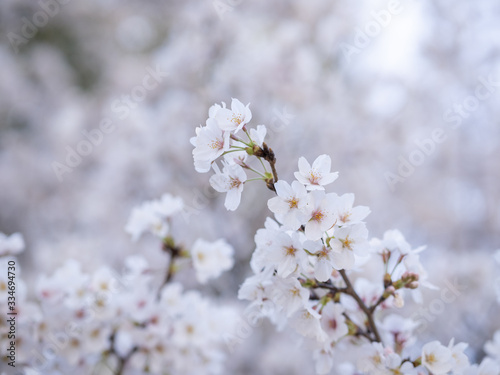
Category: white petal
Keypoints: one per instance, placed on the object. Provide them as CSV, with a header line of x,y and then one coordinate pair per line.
x,y
322,164
233,199
322,270
343,259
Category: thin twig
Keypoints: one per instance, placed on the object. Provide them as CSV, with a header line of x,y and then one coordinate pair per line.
x,y
173,251
359,331
369,314
122,361
376,304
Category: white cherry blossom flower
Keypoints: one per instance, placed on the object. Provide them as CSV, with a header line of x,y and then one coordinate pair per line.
x,y
265,239
318,175
290,295
307,322
323,266
437,358
210,143
348,242
398,330
213,110
256,287
234,119
152,216
145,218
347,214
290,203
459,358
394,240
333,321
321,212
236,157
287,254
324,360
230,181
373,359
168,205
257,135
210,259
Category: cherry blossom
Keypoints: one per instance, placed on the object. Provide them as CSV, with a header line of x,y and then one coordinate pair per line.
x,y
287,254
230,181
321,213
347,214
348,242
333,321
153,216
318,175
210,143
210,259
289,206
437,358
235,118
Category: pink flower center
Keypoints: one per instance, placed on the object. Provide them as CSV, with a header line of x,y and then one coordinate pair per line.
x,y
237,118
293,202
314,177
348,243
217,144
344,217
333,324
234,183
318,216
290,251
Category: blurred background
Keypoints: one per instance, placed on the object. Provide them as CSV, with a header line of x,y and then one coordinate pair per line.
x,y
403,95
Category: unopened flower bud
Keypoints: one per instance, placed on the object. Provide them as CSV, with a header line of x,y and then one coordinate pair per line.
x,y
412,285
389,291
409,277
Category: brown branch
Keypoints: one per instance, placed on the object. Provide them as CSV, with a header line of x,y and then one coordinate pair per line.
x,y
268,155
122,361
328,285
359,331
174,252
376,304
369,314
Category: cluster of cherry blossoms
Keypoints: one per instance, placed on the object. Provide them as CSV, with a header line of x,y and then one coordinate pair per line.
x,y
221,137
127,322
307,256
209,259
87,321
